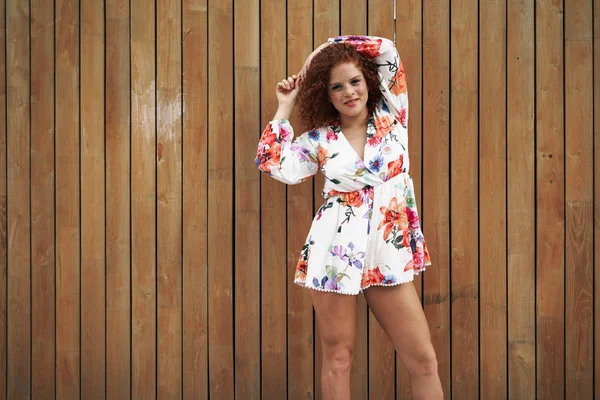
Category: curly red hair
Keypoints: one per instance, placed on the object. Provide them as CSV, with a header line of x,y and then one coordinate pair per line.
x,y
315,109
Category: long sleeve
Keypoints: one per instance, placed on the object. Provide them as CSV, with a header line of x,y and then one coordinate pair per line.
x,y
287,159
393,80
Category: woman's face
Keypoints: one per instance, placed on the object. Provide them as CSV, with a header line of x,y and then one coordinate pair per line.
x,y
348,91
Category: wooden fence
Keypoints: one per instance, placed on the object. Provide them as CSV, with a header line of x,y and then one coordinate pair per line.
x,y
142,255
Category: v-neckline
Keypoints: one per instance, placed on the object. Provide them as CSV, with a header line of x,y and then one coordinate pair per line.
x,y
366,146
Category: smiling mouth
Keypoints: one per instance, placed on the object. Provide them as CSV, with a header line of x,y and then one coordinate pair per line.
x,y
351,103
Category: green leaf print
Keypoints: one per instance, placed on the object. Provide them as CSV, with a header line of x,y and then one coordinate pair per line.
x,y
341,276
329,270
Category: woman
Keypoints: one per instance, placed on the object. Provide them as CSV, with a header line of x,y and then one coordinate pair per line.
x,y
366,237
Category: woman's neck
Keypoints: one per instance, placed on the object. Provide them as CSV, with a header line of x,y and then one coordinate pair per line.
x,y
352,123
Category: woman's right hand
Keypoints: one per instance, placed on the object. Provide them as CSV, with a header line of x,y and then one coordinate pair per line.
x,y
287,91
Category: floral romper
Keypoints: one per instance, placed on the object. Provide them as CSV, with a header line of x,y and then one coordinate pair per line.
x,y
367,231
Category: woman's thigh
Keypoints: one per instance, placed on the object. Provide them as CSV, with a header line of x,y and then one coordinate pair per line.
x,y
336,317
399,312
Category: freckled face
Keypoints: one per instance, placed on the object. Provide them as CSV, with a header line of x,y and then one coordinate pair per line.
x,y
348,91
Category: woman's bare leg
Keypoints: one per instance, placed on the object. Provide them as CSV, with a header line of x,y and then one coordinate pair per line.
x,y
399,312
336,316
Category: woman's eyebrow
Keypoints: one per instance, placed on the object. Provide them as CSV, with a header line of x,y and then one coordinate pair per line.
x,y
337,83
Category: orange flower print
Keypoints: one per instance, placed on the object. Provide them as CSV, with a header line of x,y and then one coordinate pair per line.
x,y
369,48
402,117
374,141
393,216
301,269
383,125
409,266
353,199
395,167
372,277
323,155
272,156
398,82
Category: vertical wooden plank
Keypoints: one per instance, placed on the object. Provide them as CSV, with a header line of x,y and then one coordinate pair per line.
x,y
579,196
382,372
195,197
3,210
492,196
354,22
436,191
93,262
143,200
326,24
596,66
274,274
67,200
18,206
42,200
169,198
521,199
464,204
300,319
409,43
247,199
353,15
118,201
220,202
550,199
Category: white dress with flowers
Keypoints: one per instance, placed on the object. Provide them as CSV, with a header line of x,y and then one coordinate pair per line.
x,y
367,231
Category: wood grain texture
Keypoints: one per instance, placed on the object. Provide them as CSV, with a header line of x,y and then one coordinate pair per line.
x,y
118,199
353,17
326,23
195,198
42,201
579,193
354,21
274,266
492,197
3,210
143,201
409,36
247,199
596,68
19,200
550,208
301,340
521,198
169,199
382,366
436,178
464,199
93,261
220,201
68,200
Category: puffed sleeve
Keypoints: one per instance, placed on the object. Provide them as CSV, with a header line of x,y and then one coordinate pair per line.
x,y
391,71
287,159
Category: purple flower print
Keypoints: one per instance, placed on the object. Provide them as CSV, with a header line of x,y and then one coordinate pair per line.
x,y
339,251
300,151
332,284
389,280
376,163
354,259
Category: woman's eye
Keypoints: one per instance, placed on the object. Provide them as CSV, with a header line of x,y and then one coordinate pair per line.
x,y
355,81
336,87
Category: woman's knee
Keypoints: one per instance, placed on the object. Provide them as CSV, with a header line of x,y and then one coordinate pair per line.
x,y
422,363
338,358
